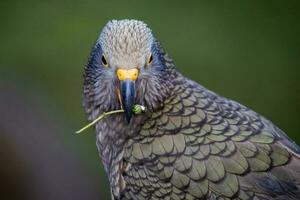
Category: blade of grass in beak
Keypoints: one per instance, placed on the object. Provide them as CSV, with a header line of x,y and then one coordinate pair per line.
x,y
98,119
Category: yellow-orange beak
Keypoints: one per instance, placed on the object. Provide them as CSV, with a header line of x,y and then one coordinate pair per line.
x,y
130,74
127,79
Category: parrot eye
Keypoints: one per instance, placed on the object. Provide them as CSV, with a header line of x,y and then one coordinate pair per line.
x,y
104,62
150,59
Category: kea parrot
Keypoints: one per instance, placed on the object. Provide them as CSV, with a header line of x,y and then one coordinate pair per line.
x,y
189,143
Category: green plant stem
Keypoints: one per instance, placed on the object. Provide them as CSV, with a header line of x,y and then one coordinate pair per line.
x,y
98,118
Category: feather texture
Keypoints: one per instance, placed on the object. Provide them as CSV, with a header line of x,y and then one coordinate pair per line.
x,y
191,143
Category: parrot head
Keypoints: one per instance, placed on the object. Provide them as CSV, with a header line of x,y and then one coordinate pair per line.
x,y
126,67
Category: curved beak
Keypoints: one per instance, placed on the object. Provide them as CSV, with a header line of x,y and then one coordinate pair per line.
x,y
127,79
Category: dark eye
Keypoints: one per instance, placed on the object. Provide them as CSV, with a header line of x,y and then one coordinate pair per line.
x,y
150,59
104,62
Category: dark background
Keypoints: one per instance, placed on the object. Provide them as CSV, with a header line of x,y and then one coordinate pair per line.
x,y
245,50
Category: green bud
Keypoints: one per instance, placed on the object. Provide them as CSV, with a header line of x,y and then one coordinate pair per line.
x,y
138,109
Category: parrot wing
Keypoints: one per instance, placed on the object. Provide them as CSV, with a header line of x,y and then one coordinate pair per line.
x,y
202,146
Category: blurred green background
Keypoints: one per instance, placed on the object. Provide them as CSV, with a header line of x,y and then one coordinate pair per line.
x,y
245,50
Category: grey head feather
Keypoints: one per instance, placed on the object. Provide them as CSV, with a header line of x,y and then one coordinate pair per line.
x,y
126,43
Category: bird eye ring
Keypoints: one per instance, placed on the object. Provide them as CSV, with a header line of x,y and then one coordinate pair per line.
x,y
104,62
150,59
